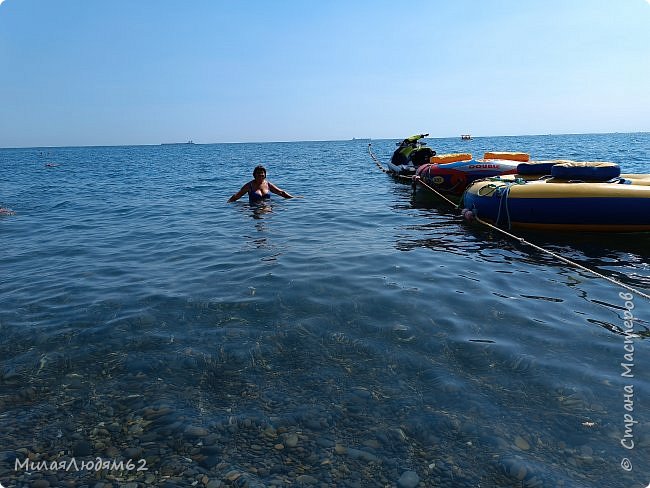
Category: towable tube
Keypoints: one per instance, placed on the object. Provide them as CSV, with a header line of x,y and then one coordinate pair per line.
x,y
450,158
453,178
588,171
554,204
510,156
538,167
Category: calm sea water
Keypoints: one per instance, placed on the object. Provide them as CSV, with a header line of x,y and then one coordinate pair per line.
x,y
349,338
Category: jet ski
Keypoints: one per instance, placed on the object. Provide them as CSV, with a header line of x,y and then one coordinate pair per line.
x,y
410,154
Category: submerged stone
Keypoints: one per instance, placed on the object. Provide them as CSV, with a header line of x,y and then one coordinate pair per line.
x,y
409,479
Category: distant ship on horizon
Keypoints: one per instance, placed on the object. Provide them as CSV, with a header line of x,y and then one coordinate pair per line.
x,y
177,143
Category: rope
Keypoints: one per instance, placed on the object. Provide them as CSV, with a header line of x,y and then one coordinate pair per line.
x,y
385,170
433,190
534,246
503,201
563,259
411,178
512,236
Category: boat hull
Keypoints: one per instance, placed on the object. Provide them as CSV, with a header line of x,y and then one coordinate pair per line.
x,y
402,169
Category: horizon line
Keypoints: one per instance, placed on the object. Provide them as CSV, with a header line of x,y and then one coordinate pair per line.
x,y
316,140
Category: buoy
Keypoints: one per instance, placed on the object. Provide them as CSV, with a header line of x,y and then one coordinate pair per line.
x,y
467,214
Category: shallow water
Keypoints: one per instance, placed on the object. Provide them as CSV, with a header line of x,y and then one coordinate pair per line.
x,y
346,338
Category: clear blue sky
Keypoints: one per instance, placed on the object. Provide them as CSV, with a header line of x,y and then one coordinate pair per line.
x,y
91,72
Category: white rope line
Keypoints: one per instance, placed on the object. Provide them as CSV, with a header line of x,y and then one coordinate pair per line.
x,y
512,236
563,259
434,191
385,170
411,178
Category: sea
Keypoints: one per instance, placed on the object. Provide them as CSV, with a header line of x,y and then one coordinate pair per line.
x,y
152,334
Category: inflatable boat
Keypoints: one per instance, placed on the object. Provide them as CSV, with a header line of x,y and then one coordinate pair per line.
x,y
576,196
450,174
409,155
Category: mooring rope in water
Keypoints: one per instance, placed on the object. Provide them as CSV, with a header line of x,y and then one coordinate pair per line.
x,y
410,178
551,253
434,191
512,236
385,170
563,259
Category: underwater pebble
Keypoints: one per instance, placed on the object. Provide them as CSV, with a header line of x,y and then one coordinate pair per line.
x,y
233,475
270,432
372,443
360,454
28,394
193,431
515,468
521,443
306,479
40,484
291,440
153,413
82,449
408,479
133,453
210,461
324,442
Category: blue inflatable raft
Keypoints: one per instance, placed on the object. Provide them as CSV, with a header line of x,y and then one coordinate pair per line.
x,y
592,197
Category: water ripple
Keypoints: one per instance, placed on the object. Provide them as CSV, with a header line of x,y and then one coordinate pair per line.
x,y
382,333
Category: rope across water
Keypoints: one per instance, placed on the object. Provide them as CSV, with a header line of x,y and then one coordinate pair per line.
x,y
563,259
512,236
409,178
385,170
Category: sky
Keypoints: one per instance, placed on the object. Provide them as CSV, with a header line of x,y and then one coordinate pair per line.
x,y
93,72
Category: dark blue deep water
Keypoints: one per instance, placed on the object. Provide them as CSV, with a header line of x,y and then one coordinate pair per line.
x,y
352,337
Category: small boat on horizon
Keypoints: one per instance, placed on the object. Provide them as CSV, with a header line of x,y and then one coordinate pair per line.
x,y
177,143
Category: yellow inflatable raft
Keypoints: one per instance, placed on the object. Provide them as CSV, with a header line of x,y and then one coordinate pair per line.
x,y
588,196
